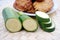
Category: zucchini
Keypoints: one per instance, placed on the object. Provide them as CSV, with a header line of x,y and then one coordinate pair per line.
x,y
42,17
29,24
47,24
12,22
49,29
52,26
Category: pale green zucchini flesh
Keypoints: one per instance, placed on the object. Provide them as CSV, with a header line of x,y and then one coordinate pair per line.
x,y
13,25
30,25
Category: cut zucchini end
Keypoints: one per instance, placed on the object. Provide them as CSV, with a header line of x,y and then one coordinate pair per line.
x,y
13,25
30,25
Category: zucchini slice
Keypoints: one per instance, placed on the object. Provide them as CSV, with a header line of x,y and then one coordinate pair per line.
x,y
12,22
52,26
29,24
47,24
42,17
49,29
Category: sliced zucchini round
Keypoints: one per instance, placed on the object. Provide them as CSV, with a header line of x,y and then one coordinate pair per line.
x,y
42,17
49,29
52,26
47,24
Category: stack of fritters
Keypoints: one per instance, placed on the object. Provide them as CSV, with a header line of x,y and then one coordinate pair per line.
x,y
33,5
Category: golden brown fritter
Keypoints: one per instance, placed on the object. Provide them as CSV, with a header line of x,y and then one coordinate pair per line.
x,y
24,5
43,6
39,0
33,5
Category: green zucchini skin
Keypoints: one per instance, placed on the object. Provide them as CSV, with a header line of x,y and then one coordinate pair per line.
x,y
46,25
9,13
24,17
49,30
42,19
43,24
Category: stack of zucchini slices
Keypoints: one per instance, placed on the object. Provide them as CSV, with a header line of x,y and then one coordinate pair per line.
x,y
45,21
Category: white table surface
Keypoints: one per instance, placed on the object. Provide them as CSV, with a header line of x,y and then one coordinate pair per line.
x,y
23,35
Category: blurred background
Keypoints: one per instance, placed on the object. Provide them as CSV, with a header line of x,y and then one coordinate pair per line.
x,y
39,35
